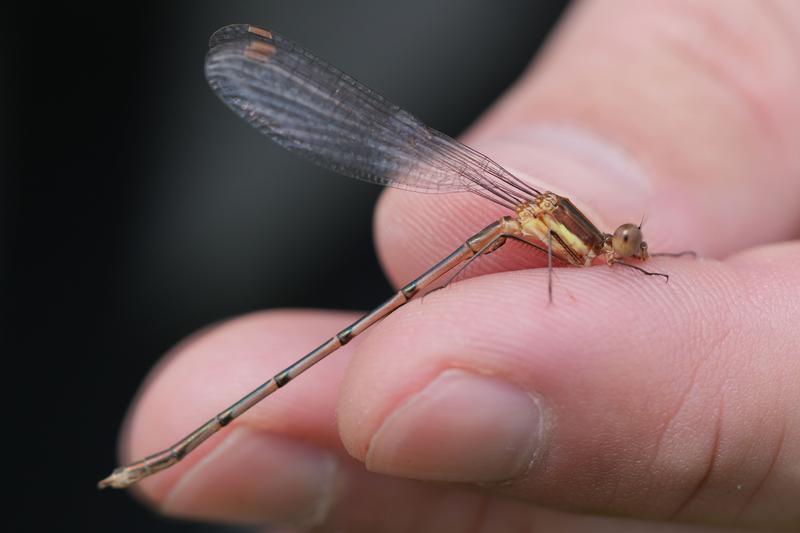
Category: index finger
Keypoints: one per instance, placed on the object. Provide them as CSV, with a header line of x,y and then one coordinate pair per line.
x,y
681,112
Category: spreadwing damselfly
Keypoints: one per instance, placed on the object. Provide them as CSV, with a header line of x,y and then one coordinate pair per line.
x,y
315,110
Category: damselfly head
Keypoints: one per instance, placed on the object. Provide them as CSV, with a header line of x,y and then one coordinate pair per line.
x,y
628,241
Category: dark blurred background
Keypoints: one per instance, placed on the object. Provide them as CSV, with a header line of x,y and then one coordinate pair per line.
x,y
135,208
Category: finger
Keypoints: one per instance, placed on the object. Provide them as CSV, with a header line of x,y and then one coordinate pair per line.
x,y
232,490
625,396
219,365
681,112
282,462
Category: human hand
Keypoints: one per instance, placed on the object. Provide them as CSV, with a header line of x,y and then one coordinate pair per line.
x,y
665,403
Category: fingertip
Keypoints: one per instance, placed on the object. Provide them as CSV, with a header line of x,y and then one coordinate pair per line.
x,y
219,365
254,477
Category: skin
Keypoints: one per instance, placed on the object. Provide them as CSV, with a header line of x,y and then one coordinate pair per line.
x,y
626,405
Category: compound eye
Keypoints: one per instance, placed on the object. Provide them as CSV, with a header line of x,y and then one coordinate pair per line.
x,y
628,241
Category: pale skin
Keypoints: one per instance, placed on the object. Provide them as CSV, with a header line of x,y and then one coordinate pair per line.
x,y
675,405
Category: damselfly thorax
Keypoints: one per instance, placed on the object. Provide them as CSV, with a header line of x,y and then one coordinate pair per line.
x,y
554,220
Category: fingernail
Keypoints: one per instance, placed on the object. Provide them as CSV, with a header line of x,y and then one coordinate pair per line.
x,y
254,477
461,427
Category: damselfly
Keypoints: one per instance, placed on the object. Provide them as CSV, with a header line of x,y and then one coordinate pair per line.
x,y
317,111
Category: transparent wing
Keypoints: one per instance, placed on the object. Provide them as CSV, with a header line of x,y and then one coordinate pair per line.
x,y
313,109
